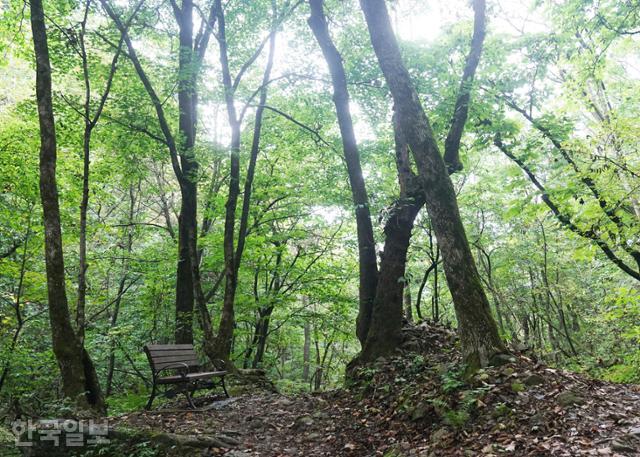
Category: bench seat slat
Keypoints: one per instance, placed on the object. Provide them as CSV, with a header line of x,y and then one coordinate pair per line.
x,y
190,377
174,356
177,364
171,353
168,347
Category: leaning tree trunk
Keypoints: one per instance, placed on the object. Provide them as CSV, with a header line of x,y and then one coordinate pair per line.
x,y
79,380
477,328
366,243
385,331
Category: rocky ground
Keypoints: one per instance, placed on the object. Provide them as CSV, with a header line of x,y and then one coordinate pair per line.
x,y
416,404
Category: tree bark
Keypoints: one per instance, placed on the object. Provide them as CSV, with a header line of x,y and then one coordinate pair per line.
x,y
121,288
262,331
20,321
90,122
233,253
187,220
408,305
366,244
386,322
461,110
477,328
227,318
79,381
306,352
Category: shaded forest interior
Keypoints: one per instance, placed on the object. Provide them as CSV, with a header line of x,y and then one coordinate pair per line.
x,y
318,195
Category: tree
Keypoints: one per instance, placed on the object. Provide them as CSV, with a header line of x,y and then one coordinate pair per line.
x,y
181,150
366,243
477,328
79,379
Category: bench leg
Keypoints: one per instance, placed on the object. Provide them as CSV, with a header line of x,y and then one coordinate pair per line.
x,y
188,395
151,397
223,386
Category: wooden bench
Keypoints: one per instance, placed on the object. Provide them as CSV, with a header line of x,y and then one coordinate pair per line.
x,y
184,370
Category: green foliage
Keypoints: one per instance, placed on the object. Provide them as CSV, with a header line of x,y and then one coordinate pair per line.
x,y
452,379
551,290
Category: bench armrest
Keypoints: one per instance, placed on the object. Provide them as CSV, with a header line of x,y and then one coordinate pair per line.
x,y
174,366
219,365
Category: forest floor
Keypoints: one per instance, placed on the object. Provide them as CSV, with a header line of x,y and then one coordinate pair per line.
x,y
418,404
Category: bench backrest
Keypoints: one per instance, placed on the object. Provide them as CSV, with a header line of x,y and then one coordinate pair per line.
x,y
164,355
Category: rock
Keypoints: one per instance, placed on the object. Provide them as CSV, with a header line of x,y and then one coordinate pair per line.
x,y
350,447
537,419
320,415
619,446
569,398
421,411
439,435
303,422
533,380
255,423
502,359
236,454
221,404
488,449
284,401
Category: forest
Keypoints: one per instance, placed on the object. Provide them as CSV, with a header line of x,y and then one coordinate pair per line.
x,y
394,227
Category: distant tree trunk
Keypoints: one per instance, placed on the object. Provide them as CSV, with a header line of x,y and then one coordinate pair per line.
x,y
408,305
366,244
262,331
477,328
435,297
79,380
121,288
306,352
181,152
20,321
485,261
434,262
526,330
90,121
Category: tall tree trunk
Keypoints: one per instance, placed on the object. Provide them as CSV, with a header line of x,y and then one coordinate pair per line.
x,y
90,122
385,331
227,317
187,220
366,243
79,381
306,352
477,328
232,253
